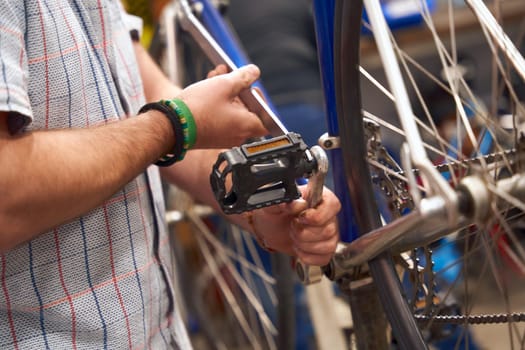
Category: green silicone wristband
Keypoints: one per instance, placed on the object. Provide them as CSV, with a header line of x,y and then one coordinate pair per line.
x,y
187,121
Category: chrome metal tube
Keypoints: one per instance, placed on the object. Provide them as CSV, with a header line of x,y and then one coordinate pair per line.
x,y
251,98
431,213
427,223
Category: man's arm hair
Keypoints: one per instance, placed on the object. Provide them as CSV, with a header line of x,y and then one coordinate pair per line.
x,y
50,177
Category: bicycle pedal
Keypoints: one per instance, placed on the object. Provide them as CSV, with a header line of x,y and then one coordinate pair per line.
x,y
261,173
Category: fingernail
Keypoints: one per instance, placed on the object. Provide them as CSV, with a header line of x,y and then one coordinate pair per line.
x,y
252,69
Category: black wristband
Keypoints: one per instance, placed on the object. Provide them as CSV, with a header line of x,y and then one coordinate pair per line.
x,y
135,36
171,158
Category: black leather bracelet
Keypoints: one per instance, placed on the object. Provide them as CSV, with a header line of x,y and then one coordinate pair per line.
x,y
174,119
134,34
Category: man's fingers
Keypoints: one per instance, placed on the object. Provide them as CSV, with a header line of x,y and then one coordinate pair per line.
x,y
243,78
319,258
218,70
316,252
300,234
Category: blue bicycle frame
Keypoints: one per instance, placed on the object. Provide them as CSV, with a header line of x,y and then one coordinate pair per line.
x,y
214,23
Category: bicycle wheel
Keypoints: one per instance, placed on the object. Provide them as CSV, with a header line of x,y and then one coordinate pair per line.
x,y
464,82
226,286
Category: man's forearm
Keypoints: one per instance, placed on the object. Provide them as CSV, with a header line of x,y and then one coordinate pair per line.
x,y
50,177
156,84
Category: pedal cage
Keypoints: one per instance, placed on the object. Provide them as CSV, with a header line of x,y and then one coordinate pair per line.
x,y
261,173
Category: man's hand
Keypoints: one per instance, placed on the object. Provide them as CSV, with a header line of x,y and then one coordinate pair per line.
x,y
310,234
222,120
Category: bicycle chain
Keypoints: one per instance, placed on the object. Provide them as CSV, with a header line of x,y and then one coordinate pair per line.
x,y
510,155
396,191
472,319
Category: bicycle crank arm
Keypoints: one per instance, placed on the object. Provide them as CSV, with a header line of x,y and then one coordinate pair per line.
x,y
427,223
310,274
261,173
250,97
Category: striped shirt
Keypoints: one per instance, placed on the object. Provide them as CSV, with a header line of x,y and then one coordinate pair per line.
x,y
104,280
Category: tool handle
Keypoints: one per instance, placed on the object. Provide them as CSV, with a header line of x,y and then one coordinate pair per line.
x,y
310,274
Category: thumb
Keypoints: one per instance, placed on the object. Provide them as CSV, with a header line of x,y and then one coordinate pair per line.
x,y
243,78
295,207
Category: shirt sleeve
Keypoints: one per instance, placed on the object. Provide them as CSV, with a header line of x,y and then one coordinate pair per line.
x,y
131,22
14,97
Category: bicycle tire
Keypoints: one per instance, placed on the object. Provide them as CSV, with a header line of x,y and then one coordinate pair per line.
x,y
350,120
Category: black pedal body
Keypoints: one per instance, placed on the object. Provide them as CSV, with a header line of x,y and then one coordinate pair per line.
x,y
261,173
